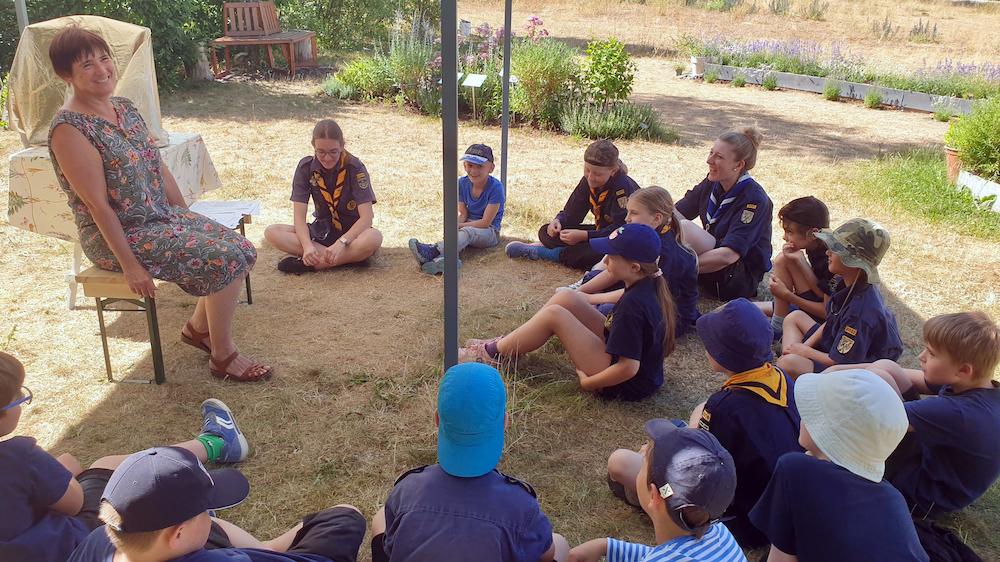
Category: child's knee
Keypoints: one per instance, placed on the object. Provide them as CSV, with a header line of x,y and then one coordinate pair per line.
x,y
619,464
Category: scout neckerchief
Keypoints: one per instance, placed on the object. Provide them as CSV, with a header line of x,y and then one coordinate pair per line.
x,y
715,208
332,199
596,201
768,382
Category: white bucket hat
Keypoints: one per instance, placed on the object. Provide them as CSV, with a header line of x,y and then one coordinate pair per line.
x,y
854,417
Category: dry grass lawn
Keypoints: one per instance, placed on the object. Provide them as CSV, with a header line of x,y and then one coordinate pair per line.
x,y
358,351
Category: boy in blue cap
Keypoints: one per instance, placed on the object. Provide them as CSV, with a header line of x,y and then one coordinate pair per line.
x,y
50,504
463,508
156,508
686,481
753,416
481,201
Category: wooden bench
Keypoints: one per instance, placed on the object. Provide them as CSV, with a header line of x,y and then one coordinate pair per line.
x,y
256,23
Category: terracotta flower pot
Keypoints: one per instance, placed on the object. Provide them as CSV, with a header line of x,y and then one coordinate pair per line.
x,y
954,164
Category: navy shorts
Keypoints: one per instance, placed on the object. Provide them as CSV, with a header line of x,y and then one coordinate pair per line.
x,y
93,481
731,282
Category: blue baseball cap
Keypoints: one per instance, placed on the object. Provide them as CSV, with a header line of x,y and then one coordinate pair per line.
x,y
737,335
166,486
477,154
632,241
472,406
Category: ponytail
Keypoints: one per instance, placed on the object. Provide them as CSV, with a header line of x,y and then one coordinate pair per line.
x,y
666,304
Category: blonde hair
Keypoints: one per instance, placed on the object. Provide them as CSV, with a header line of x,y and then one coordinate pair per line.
x,y
744,141
129,543
666,301
966,337
11,379
658,200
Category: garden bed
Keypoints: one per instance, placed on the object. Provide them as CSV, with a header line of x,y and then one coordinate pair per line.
x,y
890,96
981,188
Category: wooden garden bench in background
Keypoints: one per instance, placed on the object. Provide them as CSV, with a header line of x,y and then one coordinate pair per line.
x,y
256,23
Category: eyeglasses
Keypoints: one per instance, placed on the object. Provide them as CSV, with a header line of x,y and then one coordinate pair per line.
x,y
25,399
328,154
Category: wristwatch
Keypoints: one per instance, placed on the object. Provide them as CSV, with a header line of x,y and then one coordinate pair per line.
x,y
343,240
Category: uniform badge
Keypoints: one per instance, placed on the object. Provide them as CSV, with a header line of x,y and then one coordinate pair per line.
x,y
666,491
352,205
607,323
751,206
706,418
850,330
747,216
622,201
362,181
845,345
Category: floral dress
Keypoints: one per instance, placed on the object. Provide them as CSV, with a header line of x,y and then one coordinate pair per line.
x,y
171,243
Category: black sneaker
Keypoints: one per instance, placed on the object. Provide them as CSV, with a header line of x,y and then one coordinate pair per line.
x,y
294,264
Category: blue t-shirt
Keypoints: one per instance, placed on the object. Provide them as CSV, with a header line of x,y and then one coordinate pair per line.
x,y
98,548
432,515
861,330
952,456
680,269
743,226
819,511
716,545
31,480
491,195
756,433
635,329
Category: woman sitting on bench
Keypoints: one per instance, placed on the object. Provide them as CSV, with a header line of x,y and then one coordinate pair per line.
x,y
129,211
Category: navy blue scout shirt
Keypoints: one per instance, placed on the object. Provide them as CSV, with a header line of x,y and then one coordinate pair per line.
x,y
357,189
820,511
680,269
31,480
744,225
97,548
492,194
756,433
952,456
616,193
635,329
432,515
862,330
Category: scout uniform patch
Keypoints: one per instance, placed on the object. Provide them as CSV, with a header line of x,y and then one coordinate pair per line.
x,y
352,205
747,216
622,201
850,330
706,418
607,323
607,218
362,181
845,345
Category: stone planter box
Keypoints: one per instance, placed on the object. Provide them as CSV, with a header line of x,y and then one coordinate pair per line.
x,y
980,187
815,84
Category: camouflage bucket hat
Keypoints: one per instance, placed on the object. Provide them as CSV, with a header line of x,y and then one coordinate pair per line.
x,y
858,243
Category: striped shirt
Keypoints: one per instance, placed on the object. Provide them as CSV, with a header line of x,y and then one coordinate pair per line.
x,y
717,545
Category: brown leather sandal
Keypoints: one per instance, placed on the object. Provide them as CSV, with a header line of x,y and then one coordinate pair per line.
x,y
253,373
196,339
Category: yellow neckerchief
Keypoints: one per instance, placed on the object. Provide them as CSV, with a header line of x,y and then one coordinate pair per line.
x,y
768,382
665,228
596,201
333,199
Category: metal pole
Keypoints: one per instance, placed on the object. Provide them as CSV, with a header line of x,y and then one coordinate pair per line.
x,y
505,118
449,147
22,15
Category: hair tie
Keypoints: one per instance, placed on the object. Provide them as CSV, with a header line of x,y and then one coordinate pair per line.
x,y
657,273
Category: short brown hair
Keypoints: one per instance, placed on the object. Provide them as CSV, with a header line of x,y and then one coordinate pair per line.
x,y
129,543
966,337
72,44
744,141
328,129
11,379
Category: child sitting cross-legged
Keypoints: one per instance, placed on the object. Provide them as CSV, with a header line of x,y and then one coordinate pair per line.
x,y
50,504
620,356
951,454
684,484
859,327
480,211
831,503
156,508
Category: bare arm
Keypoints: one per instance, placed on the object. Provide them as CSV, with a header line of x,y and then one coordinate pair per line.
x,y
170,186
620,372
81,163
602,281
463,213
488,215
71,501
716,259
590,551
778,556
599,298
239,537
367,217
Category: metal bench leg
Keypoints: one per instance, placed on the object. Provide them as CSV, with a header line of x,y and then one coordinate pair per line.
x,y
154,340
104,337
243,233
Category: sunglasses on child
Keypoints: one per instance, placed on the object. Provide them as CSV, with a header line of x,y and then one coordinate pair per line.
x,y
25,399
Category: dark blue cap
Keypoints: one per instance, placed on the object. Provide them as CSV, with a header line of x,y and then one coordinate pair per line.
x,y
633,241
478,154
166,486
737,335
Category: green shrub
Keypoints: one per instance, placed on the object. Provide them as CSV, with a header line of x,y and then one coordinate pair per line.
x,y
370,77
813,10
977,136
770,81
739,80
832,90
944,110
409,55
916,182
922,32
351,24
545,70
873,98
621,121
779,7
335,88
3,101
884,31
608,71
711,75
